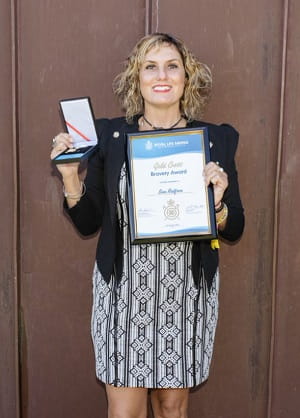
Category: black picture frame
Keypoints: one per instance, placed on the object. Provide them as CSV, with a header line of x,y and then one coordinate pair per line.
x,y
158,142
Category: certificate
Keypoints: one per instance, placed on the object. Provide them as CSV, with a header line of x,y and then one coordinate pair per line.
x,y
79,121
168,198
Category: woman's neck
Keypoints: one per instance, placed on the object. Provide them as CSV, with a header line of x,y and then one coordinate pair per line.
x,y
161,119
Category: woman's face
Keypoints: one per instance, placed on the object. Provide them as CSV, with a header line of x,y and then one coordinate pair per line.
x,y
162,78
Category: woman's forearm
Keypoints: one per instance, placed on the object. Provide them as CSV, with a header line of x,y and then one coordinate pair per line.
x,y
73,189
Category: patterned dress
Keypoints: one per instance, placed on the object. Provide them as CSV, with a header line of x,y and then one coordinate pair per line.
x,y
155,328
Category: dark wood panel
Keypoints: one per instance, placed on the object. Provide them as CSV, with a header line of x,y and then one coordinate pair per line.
x,y
286,365
8,280
242,45
68,48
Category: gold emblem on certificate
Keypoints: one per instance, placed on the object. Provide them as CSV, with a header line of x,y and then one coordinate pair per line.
x,y
168,199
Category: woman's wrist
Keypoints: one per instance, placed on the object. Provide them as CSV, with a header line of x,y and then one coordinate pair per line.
x,y
219,206
77,194
221,215
73,189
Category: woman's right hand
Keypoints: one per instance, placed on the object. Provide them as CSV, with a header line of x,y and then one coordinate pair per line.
x,y
74,189
61,142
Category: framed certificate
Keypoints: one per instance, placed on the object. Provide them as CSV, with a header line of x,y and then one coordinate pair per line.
x,y
168,198
79,121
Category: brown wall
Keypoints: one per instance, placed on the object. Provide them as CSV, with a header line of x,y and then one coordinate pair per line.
x,y
8,193
243,46
76,53
71,48
286,366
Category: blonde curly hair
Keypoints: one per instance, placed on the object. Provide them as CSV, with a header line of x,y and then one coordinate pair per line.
x,y
198,78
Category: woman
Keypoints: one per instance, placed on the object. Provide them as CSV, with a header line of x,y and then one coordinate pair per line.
x,y
155,305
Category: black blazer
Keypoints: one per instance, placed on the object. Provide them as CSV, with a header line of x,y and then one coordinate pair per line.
x,y
97,208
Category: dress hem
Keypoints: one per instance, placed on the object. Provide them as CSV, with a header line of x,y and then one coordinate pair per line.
x,y
153,387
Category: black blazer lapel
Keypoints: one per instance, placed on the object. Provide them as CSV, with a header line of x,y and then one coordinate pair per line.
x,y
116,158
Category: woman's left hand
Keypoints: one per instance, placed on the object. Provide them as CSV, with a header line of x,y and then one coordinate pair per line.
x,y
215,174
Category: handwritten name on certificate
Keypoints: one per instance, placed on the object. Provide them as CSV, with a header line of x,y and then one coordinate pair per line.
x,y
169,195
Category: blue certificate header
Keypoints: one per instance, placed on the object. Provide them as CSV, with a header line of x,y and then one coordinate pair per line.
x,y
161,145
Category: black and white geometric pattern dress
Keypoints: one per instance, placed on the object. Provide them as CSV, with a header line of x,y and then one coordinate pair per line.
x,y
155,328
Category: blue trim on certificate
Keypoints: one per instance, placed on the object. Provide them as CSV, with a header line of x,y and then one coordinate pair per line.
x,y
175,232
164,145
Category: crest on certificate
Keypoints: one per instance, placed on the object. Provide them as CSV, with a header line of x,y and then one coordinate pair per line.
x,y
171,211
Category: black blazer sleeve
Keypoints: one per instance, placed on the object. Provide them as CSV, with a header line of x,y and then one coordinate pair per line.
x,y
87,214
235,221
